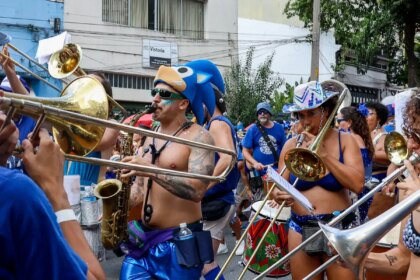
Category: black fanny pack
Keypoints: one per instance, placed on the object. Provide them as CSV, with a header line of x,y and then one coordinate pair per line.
x,y
213,210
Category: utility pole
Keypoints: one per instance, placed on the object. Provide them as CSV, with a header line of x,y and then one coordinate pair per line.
x,y
315,40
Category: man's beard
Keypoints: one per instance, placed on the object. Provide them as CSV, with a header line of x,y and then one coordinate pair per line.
x,y
263,120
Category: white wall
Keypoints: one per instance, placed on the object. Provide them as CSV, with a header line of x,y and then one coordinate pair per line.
x,y
292,59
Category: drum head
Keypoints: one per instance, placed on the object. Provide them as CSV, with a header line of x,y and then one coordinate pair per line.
x,y
270,212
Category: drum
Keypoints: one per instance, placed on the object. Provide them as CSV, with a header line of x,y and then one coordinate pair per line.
x,y
389,241
275,243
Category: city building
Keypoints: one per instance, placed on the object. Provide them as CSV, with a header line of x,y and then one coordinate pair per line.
x,y
27,22
129,39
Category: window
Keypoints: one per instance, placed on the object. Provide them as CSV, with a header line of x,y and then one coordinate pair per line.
x,y
181,17
129,81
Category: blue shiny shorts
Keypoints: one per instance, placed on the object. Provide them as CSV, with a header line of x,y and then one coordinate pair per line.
x,y
296,221
160,263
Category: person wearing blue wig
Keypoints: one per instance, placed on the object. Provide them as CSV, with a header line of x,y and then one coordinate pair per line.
x,y
155,249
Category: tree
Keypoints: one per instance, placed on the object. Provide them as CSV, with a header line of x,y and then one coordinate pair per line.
x,y
246,87
284,97
369,28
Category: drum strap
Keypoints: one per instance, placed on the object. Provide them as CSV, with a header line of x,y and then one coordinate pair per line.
x,y
269,142
148,208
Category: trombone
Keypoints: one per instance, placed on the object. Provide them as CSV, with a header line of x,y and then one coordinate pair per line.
x,y
414,159
294,159
62,64
305,163
353,245
79,118
7,44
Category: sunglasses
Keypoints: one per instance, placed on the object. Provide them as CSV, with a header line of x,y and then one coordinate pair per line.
x,y
339,120
265,112
166,94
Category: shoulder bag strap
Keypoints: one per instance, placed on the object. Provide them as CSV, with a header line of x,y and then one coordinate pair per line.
x,y
268,141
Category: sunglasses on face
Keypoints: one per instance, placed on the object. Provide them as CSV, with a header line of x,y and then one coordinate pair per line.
x,y
166,94
265,112
339,120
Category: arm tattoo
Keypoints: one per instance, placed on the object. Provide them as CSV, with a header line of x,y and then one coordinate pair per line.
x,y
200,162
391,259
136,192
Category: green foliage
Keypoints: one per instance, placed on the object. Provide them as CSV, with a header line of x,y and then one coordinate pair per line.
x,y
246,87
284,97
369,28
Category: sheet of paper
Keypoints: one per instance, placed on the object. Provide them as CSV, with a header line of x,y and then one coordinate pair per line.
x,y
47,47
287,187
72,188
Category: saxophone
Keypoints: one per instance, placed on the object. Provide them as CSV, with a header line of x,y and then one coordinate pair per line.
x,y
115,195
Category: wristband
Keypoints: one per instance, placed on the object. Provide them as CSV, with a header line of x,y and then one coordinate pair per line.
x,y
65,215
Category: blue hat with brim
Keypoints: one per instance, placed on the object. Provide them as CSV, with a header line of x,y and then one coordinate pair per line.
x,y
265,106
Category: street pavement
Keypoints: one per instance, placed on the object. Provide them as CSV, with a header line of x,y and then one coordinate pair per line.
x,y
112,264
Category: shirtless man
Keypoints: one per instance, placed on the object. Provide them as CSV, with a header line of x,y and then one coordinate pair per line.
x,y
169,201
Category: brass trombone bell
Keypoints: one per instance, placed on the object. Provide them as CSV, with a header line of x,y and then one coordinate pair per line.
x,y
86,96
305,163
66,61
61,64
5,41
396,148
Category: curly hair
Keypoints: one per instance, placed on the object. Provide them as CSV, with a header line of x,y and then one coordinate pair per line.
x,y
380,109
359,126
412,110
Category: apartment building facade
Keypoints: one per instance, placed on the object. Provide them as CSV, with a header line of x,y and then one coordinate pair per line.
x,y
129,39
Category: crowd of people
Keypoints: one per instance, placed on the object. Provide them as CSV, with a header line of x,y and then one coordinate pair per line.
x,y
43,236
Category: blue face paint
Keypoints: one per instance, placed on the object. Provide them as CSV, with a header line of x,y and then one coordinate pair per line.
x,y
167,102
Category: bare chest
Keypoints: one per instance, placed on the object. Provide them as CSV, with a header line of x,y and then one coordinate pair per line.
x,y
170,156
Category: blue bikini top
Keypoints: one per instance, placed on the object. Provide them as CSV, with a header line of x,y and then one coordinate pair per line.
x,y
411,237
327,182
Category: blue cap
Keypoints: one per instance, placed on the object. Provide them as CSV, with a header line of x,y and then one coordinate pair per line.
x,y
265,106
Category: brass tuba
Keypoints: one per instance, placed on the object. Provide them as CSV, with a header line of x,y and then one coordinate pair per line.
x,y
115,195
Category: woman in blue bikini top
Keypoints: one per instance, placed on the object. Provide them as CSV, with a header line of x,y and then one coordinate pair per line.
x,y
345,171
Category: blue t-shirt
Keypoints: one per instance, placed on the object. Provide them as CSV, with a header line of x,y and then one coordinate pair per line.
x,y
225,188
261,151
32,244
25,125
